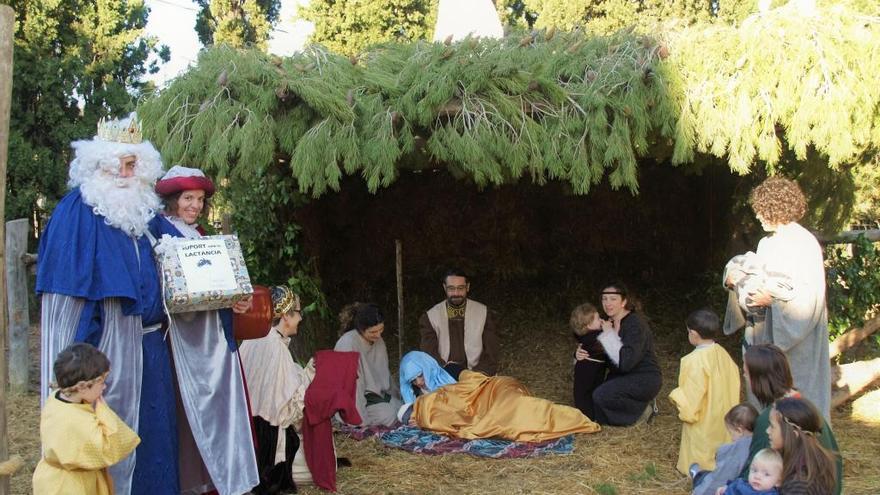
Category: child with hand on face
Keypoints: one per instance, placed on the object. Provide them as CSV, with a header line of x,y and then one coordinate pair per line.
x,y
590,363
765,476
731,457
81,436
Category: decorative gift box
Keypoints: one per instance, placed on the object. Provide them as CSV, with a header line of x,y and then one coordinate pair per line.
x,y
202,274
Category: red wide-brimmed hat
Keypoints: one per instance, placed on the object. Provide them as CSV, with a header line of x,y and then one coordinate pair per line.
x,y
180,178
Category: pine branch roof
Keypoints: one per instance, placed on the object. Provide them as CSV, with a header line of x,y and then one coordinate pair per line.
x,y
547,105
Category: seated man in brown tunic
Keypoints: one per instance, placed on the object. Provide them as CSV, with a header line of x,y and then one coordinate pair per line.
x,y
458,332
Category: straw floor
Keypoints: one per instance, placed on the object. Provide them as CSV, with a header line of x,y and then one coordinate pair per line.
x,y
637,460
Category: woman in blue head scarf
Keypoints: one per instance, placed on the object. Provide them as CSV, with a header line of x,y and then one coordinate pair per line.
x,y
422,371
480,406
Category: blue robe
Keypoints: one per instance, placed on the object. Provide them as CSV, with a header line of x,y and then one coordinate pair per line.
x,y
99,285
81,256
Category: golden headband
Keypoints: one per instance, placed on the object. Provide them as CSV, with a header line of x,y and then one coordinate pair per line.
x,y
285,303
80,385
794,425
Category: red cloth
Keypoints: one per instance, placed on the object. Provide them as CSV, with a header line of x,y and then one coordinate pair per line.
x,y
332,391
167,187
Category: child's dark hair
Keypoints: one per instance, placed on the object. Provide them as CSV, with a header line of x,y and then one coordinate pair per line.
x,y
742,416
360,316
79,363
705,322
769,372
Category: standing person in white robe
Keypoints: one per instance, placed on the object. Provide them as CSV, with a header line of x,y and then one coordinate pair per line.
x,y
277,387
797,324
377,399
96,274
215,440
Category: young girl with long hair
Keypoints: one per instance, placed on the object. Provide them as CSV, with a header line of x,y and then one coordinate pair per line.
x,y
807,466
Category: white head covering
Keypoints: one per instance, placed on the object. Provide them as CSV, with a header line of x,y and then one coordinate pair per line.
x,y
181,171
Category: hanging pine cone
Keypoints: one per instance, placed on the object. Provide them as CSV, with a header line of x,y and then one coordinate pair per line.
x,y
663,52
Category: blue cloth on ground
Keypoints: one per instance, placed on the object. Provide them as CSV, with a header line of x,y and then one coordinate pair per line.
x,y
419,441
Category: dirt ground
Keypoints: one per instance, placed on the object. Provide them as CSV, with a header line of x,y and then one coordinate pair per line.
x,y
637,460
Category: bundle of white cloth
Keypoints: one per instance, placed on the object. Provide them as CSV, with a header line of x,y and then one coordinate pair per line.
x,y
747,272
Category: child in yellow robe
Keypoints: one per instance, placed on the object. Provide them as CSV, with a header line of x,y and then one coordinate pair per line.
x,y
708,387
80,435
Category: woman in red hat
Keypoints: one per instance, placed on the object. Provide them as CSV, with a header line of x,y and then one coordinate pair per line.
x,y
215,443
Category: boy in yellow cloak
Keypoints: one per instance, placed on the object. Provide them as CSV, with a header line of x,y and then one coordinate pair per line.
x,y
81,436
708,387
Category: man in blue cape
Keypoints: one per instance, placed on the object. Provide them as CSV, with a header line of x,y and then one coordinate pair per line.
x,y
96,273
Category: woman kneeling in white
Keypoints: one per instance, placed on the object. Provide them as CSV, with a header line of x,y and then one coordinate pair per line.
x,y
277,388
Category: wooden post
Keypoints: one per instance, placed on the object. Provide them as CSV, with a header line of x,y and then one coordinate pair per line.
x,y
226,224
7,19
17,304
399,263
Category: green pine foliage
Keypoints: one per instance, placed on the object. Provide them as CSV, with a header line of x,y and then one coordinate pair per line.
x,y
75,61
546,106
780,80
351,26
781,91
236,22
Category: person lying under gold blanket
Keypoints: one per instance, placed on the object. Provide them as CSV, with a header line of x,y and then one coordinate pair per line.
x,y
480,406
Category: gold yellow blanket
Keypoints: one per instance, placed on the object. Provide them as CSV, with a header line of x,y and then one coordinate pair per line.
x,y
481,406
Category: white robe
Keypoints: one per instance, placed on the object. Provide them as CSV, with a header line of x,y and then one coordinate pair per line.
x,y
799,326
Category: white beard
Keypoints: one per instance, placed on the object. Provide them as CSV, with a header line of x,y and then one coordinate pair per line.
x,y
126,204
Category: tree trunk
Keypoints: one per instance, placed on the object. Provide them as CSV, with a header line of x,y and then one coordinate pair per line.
x,y
849,379
853,336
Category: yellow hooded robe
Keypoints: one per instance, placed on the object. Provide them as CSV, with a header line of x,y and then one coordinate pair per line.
x,y
79,444
708,387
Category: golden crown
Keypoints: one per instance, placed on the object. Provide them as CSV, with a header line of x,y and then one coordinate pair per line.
x,y
121,131
284,303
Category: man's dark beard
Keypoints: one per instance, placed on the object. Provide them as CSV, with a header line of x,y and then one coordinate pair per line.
x,y
456,301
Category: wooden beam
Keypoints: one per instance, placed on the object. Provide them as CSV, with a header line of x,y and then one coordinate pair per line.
x,y
17,304
849,380
852,337
398,258
7,20
850,236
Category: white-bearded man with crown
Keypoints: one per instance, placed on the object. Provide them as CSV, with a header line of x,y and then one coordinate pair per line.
x,y
99,284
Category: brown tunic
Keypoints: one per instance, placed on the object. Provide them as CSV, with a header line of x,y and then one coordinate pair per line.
x,y
488,362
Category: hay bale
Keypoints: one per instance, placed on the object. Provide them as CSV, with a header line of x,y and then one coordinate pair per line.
x,y
867,407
